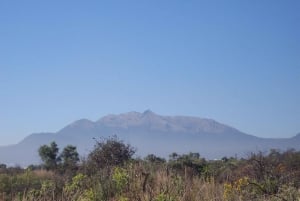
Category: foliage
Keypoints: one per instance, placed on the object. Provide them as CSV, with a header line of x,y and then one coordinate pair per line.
x,y
70,158
120,178
110,152
154,159
191,163
273,176
49,155
64,163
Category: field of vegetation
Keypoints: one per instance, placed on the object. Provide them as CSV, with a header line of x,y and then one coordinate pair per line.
x,y
111,173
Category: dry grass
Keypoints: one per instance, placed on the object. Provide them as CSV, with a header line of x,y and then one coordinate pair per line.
x,y
43,173
256,179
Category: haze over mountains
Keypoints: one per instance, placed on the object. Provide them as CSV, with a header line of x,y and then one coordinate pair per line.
x,y
149,133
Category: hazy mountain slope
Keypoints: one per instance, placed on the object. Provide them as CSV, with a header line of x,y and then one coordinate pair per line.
x,y
149,133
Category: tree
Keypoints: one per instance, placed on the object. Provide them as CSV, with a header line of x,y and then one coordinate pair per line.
x,y
110,152
193,161
154,159
49,155
69,157
173,156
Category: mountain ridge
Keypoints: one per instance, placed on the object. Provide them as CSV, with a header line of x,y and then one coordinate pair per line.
x,y
150,133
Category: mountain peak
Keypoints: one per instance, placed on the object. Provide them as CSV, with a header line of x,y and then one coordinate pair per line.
x,y
82,123
148,112
297,136
150,133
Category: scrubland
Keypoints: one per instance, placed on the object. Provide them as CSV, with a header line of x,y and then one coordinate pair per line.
x,y
112,173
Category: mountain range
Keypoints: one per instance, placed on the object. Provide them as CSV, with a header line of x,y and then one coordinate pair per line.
x,y
150,133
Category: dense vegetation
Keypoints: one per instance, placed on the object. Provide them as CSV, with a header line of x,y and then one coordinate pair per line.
x,y
110,173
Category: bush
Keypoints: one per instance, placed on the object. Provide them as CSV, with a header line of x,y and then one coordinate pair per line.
x,y
110,152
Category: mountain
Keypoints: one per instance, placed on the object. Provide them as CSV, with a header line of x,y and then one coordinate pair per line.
x,y
149,133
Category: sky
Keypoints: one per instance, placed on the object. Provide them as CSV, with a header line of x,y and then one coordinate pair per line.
x,y
237,62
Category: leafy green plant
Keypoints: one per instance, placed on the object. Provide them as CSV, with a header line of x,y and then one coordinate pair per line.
x,y
120,178
164,197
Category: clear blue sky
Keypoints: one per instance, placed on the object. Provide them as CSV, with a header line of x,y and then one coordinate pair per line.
x,y
237,62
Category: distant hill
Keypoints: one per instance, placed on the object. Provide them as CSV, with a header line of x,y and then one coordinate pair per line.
x,y
149,133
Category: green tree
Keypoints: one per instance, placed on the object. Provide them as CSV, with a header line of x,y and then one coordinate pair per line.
x,y
191,160
69,157
110,152
49,155
154,159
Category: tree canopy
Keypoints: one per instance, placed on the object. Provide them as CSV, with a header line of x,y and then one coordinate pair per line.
x,y
111,151
49,155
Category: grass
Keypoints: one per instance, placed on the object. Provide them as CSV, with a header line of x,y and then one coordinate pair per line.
x,y
261,177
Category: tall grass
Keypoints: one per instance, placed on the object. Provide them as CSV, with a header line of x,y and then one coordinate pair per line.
x,y
273,177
